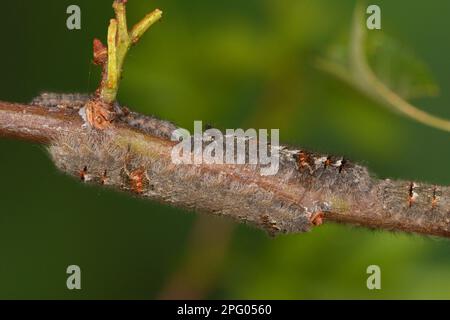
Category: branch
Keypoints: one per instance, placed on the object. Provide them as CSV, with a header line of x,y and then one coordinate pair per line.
x,y
134,155
120,41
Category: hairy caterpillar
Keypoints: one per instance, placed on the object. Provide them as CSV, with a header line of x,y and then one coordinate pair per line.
x,y
307,189
297,198
62,100
292,201
148,124
146,170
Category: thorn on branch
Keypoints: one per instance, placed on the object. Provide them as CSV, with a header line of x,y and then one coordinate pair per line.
x,y
100,53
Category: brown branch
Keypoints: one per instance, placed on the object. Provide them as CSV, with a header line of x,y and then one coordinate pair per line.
x,y
36,123
134,155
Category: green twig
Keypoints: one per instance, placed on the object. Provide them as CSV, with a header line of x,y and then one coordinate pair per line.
x,y
141,27
120,41
112,57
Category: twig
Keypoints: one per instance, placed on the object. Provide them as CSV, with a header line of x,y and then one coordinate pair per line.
x,y
308,189
119,42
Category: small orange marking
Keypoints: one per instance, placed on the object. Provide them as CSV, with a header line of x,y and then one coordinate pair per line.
x,y
104,177
434,201
83,173
137,180
317,218
303,160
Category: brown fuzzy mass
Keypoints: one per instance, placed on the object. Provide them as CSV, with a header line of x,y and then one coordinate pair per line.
x,y
148,124
308,189
98,158
63,100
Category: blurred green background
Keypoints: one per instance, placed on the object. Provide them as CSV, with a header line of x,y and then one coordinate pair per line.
x,y
231,64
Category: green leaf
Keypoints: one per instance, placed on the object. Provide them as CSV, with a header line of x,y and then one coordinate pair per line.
x,y
393,63
383,70
398,67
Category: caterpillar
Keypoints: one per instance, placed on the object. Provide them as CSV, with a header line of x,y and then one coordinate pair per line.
x,y
148,124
